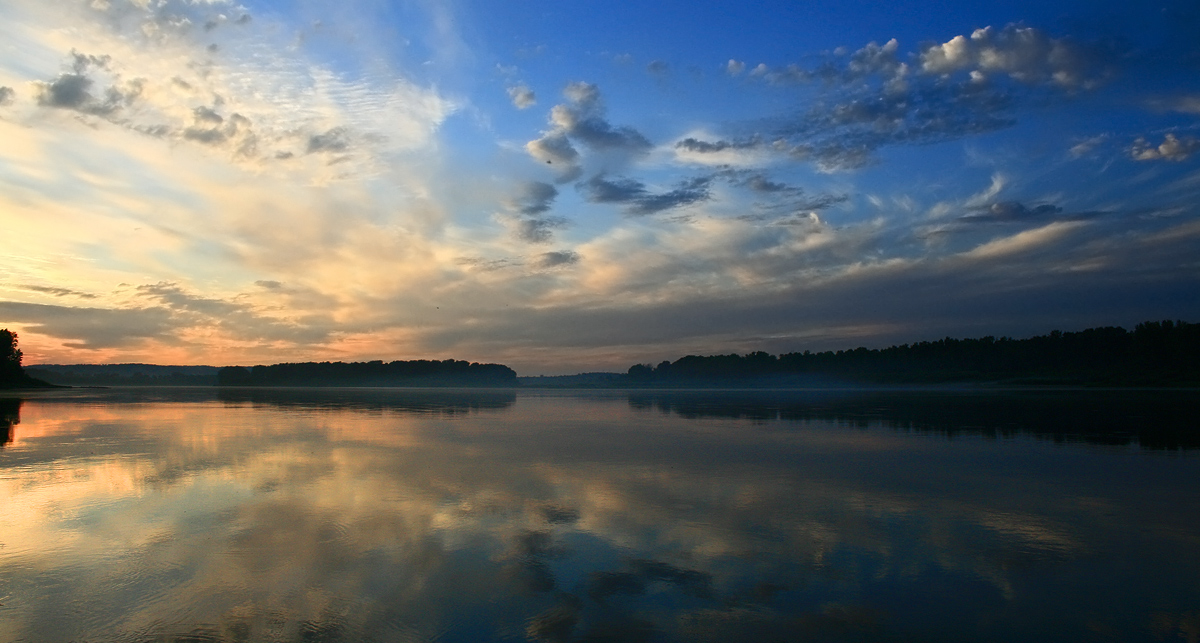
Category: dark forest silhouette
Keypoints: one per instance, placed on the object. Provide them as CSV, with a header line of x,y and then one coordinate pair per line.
x,y
124,374
1156,419
12,375
1154,353
1162,353
377,373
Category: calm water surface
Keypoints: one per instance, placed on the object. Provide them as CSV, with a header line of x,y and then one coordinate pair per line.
x,y
376,515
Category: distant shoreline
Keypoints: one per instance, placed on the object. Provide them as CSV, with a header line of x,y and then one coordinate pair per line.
x,y
1154,355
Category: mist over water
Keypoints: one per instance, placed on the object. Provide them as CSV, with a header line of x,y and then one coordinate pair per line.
x,y
422,515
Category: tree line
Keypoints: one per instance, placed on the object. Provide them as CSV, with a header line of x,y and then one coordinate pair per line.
x,y
376,373
1154,353
12,375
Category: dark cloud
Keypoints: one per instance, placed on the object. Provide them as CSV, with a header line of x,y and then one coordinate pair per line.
x,y
336,139
637,200
539,230
209,136
534,197
210,128
1005,211
91,328
658,68
80,63
73,90
780,197
598,134
556,259
555,149
1129,277
706,147
582,119
485,265
6,95
57,292
844,133
873,98
236,318
269,285
525,209
207,115
68,91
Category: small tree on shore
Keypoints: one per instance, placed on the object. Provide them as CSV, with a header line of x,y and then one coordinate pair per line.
x,y
10,355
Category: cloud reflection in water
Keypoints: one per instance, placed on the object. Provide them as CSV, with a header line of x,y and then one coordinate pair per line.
x,y
355,515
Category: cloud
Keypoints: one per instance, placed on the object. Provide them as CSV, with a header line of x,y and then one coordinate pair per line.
x,y
582,119
877,59
1085,146
747,152
210,128
56,291
706,147
1025,54
1023,241
1171,149
554,148
637,200
522,97
1005,211
845,133
539,229
334,140
873,98
1187,104
236,320
658,68
781,197
6,95
149,68
73,90
534,197
526,209
92,328
735,67
556,259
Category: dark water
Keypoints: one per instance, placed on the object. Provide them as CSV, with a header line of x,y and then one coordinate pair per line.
x,y
369,515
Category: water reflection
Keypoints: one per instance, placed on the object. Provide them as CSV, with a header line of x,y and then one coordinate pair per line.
x,y
576,518
1151,419
10,415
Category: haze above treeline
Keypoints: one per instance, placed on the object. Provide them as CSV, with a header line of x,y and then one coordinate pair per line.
x,y
1154,353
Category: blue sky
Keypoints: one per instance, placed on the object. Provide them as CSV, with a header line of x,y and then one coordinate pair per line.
x,y
569,187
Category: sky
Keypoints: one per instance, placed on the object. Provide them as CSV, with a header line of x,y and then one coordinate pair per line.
x,y
570,187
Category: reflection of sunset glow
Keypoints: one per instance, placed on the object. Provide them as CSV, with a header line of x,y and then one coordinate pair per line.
x,y
270,516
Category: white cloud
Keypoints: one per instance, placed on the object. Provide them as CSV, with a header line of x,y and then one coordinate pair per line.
x,y
1024,53
1022,241
522,96
1171,149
